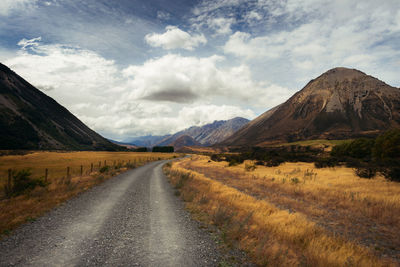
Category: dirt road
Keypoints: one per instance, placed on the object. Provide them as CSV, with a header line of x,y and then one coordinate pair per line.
x,y
133,219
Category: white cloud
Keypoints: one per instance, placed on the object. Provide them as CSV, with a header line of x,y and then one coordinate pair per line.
x,y
322,35
175,78
220,25
122,102
175,38
253,15
163,15
8,6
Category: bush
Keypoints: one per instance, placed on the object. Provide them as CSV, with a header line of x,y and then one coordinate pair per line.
x,y
387,146
140,149
360,149
165,149
216,157
22,182
233,162
274,162
104,169
249,167
392,173
325,162
366,172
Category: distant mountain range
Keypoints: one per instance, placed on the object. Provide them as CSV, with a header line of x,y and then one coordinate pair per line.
x,y
205,135
342,103
29,119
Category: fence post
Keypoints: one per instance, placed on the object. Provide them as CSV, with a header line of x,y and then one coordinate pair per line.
x,y
99,164
46,174
81,170
91,167
114,163
105,162
68,172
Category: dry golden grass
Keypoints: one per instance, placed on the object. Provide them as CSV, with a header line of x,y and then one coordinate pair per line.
x,y
57,162
356,217
28,206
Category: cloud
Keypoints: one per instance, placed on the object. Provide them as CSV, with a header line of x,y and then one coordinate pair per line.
x,y
180,79
161,15
175,38
8,6
221,26
24,43
163,95
319,36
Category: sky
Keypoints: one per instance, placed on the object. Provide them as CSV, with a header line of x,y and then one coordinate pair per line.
x,y
128,68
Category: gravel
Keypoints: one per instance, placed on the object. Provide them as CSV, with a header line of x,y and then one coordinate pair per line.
x,y
133,219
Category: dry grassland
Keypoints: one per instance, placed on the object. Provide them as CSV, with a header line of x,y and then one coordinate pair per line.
x,y
26,207
295,214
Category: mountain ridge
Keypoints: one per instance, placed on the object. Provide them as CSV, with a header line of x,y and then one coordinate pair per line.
x,y
339,104
208,134
29,119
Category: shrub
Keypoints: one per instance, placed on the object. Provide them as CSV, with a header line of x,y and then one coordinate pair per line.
x,y
249,167
387,145
365,172
216,157
259,163
360,149
325,162
104,169
165,149
274,162
140,149
22,182
295,180
392,173
233,162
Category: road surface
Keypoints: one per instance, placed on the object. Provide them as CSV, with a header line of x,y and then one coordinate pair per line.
x,y
133,219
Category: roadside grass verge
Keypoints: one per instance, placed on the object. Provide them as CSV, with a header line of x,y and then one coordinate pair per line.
x,y
37,197
270,235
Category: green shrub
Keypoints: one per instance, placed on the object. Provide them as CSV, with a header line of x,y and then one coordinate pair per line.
x,y
22,182
360,149
165,149
387,146
104,169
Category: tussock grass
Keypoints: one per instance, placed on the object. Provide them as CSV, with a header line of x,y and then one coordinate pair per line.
x,y
60,187
272,234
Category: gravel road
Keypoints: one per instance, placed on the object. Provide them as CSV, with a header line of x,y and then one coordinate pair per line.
x,y
133,219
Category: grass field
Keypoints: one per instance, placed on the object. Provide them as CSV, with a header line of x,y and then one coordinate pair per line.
x,y
33,203
295,214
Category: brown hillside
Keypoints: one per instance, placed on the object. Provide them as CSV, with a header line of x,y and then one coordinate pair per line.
x,y
341,103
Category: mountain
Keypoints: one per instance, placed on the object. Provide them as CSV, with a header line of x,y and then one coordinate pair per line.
x,y
184,140
208,134
341,103
29,119
146,141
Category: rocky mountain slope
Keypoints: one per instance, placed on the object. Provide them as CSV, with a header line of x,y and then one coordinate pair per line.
x,y
208,134
341,103
184,140
29,119
146,141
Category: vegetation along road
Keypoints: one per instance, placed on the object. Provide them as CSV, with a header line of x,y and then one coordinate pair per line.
x,y
133,219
